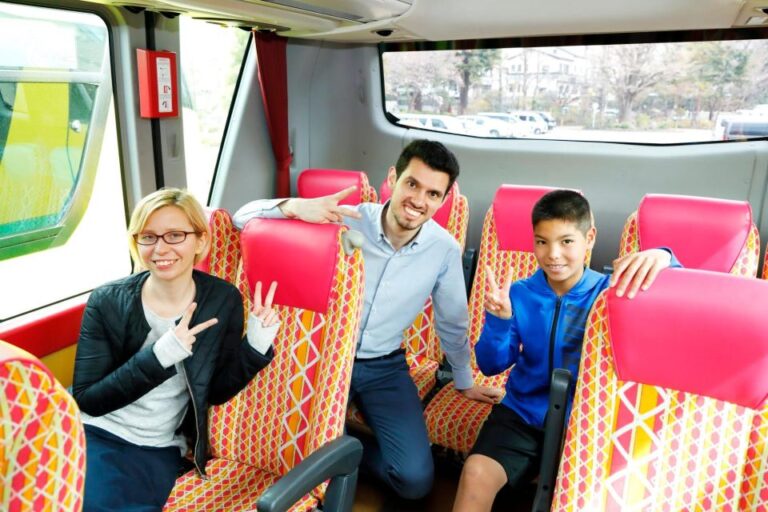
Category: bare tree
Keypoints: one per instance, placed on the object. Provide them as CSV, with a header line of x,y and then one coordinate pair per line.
x,y
629,71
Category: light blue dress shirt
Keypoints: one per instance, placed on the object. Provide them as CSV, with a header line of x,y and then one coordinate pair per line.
x,y
398,283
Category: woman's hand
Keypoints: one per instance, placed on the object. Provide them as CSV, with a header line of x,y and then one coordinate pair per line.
x,y
183,332
266,315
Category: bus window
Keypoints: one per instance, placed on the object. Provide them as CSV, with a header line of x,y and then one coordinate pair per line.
x,y
211,56
60,185
650,93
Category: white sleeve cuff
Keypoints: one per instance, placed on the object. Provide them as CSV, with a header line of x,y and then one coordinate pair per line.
x,y
169,350
260,337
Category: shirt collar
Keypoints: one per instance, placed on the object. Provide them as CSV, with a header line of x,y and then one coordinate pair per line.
x,y
382,236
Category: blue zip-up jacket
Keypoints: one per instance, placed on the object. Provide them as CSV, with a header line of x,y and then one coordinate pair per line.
x,y
544,333
549,329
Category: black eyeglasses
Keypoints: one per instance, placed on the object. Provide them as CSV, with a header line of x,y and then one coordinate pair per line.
x,y
171,237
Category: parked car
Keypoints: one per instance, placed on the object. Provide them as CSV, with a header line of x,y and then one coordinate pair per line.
x,y
518,128
537,123
551,123
433,122
482,126
740,129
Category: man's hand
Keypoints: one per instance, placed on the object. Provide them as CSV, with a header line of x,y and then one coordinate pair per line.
x,y
637,271
319,210
483,394
497,299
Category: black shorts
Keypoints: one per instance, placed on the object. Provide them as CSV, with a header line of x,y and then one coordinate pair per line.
x,y
507,439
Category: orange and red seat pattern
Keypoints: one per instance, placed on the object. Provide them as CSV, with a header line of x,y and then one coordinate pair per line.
x,y
42,441
297,403
666,415
704,233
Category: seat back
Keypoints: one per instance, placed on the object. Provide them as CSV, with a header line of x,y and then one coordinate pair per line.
x,y
667,395
704,233
506,246
297,403
42,441
223,257
322,182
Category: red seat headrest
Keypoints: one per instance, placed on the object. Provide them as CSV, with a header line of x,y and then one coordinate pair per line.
x,y
700,332
704,233
512,207
300,256
442,215
323,182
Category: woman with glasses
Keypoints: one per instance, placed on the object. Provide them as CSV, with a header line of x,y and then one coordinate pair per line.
x,y
155,350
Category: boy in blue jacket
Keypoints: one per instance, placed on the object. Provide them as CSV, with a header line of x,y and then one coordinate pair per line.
x,y
537,324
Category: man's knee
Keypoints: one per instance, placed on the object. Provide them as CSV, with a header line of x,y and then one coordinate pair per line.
x,y
413,481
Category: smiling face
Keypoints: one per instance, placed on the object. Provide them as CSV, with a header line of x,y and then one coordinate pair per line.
x,y
560,248
416,195
170,262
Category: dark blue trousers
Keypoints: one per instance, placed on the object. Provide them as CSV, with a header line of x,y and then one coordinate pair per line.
x,y
123,477
400,454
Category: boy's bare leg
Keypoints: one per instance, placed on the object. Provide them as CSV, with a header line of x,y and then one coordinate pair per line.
x,y
481,479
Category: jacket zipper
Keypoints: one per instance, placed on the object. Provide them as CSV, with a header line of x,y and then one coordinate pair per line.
x,y
552,335
197,428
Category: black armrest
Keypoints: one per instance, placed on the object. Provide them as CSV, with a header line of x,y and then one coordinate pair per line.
x,y
554,428
337,460
469,264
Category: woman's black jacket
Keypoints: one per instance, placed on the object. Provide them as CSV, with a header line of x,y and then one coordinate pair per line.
x,y
112,370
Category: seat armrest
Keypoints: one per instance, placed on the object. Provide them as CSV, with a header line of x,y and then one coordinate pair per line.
x,y
337,461
554,428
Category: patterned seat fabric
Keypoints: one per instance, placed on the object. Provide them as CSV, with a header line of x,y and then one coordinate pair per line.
x,y
223,258
42,441
506,246
297,403
704,233
644,435
323,182
420,340
765,264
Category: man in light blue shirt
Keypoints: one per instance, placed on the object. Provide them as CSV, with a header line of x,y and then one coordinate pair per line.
x,y
408,257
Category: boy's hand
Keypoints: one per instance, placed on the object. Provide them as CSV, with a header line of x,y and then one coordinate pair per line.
x,y
637,271
497,300
483,394
319,210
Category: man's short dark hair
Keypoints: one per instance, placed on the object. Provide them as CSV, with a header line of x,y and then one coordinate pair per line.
x,y
432,153
566,205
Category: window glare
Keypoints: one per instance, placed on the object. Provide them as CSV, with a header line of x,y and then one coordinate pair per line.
x,y
645,93
211,56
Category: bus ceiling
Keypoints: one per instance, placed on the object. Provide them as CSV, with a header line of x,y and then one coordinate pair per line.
x,y
363,21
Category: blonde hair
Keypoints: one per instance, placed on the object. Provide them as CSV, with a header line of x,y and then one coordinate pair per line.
x,y
179,198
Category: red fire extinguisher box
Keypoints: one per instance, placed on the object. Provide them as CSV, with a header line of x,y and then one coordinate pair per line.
x,y
158,84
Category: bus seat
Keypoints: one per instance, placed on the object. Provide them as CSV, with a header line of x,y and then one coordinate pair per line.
x,y
420,340
323,182
506,246
267,440
42,440
666,397
223,257
704,233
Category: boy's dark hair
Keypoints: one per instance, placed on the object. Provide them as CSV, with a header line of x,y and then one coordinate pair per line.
x,y
432,153
566,205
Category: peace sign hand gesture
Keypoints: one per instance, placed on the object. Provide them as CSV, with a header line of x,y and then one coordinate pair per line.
x,y
320,210
266,315
264,322
497,300
183,332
